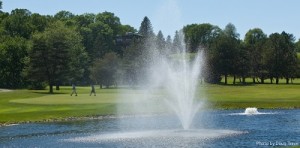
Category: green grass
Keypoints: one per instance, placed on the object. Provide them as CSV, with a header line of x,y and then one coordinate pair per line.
x,y
30,105
26,105
261,96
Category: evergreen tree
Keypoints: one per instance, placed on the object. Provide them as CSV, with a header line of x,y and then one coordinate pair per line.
x,y
54,54
178,45
161,43
146,29
169,44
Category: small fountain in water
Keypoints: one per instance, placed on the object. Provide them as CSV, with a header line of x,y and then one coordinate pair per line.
x,y
251,111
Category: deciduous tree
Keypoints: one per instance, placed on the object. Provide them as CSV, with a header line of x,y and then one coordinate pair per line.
x,y
255,40
225,51
200,35
13,53
104,71
19,24
282,57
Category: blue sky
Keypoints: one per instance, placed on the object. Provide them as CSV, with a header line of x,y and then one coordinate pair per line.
x,y
170,15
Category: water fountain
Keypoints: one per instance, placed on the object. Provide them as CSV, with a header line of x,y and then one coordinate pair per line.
x,y
172,81
174,75
178,75
251,111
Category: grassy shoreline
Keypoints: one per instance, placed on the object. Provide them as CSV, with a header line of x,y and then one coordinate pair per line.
x,y
21,106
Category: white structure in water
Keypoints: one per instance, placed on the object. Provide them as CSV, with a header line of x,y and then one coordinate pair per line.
x,y
251,111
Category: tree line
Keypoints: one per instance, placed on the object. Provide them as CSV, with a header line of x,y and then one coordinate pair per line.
x,y
258,56
43,50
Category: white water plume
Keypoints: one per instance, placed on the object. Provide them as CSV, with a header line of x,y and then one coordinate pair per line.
x,y
171,82
181,81
251,111
170,77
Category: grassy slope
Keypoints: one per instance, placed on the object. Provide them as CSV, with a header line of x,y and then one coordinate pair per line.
x,y
26,105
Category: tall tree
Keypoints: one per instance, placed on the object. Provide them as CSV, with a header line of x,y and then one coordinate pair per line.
x,y
19,24
84,20
104,71
254,44
225,51
146,29
64,15
282,59
169,44
232,34
178,44
111,20
161,43
99,32
13,53
145,47
290,57
101,35
242,64
3,16
53,54
102,40
39,22
131,64
200,35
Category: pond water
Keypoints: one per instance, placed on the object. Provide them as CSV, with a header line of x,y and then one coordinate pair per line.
x,y
215,128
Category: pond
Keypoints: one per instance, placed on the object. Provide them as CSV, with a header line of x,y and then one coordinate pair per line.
x,y
214,128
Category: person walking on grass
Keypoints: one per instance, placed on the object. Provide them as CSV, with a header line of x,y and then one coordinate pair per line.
x,y
74,90
93,90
